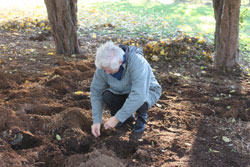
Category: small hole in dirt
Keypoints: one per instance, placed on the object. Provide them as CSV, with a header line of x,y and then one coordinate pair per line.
x,y
25,141
85,104
123,149
43,110
74,145
177,149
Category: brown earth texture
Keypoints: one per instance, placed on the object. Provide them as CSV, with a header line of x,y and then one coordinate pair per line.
x,y
201,120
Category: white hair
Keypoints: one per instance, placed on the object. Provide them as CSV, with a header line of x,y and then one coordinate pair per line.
x,y
109,55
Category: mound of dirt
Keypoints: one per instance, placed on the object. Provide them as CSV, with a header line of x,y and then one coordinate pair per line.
x,y
4,116
96,158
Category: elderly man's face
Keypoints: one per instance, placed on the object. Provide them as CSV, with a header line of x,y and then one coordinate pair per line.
x,y
108,70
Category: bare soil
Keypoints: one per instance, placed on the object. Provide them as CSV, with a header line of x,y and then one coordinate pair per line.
x,y
201,120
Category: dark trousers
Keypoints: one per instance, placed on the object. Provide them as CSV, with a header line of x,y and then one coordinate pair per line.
x,y
114,102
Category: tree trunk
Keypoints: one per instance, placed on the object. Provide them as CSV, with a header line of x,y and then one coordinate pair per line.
x,y
226,33
62,15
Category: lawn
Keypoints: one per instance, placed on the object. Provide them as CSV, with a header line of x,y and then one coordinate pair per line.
x,y
157,19
136,19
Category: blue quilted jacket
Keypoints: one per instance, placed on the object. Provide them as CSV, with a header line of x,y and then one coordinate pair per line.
x,y
137,80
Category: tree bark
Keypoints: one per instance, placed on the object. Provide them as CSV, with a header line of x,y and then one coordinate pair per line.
x,y
226,33
62,15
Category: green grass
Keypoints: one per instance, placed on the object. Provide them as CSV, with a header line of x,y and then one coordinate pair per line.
x,y
136,18
156,19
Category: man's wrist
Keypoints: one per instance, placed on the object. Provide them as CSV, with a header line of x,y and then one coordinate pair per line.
x,y
97,123
117,120
116,116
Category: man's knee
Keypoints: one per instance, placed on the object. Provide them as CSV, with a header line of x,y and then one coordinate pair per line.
x,y
107,97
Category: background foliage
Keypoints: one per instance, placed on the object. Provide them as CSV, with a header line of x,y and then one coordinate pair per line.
x,y
152,20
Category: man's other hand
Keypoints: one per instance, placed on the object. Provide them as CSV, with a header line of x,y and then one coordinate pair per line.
x,y
111,123
95,129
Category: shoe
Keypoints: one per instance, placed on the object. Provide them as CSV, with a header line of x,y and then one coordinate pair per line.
x,y
139,126
136,136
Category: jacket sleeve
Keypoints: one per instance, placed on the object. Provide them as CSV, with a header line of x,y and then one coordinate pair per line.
x,y
140,72
154,91
98,85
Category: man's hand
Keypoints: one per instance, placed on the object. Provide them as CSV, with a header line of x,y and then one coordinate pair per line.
x,y
111,123
95,129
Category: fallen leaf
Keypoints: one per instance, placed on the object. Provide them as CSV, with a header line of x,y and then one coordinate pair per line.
x,y
225,139
58,137
232,91
155,58
216,98
158,105
188,144
212,150
201,41
79,93
94,35
51,53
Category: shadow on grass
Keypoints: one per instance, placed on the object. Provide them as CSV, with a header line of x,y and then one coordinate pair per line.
x,y
176,14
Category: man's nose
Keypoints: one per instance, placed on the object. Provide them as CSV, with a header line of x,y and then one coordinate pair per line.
x,y
108,71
